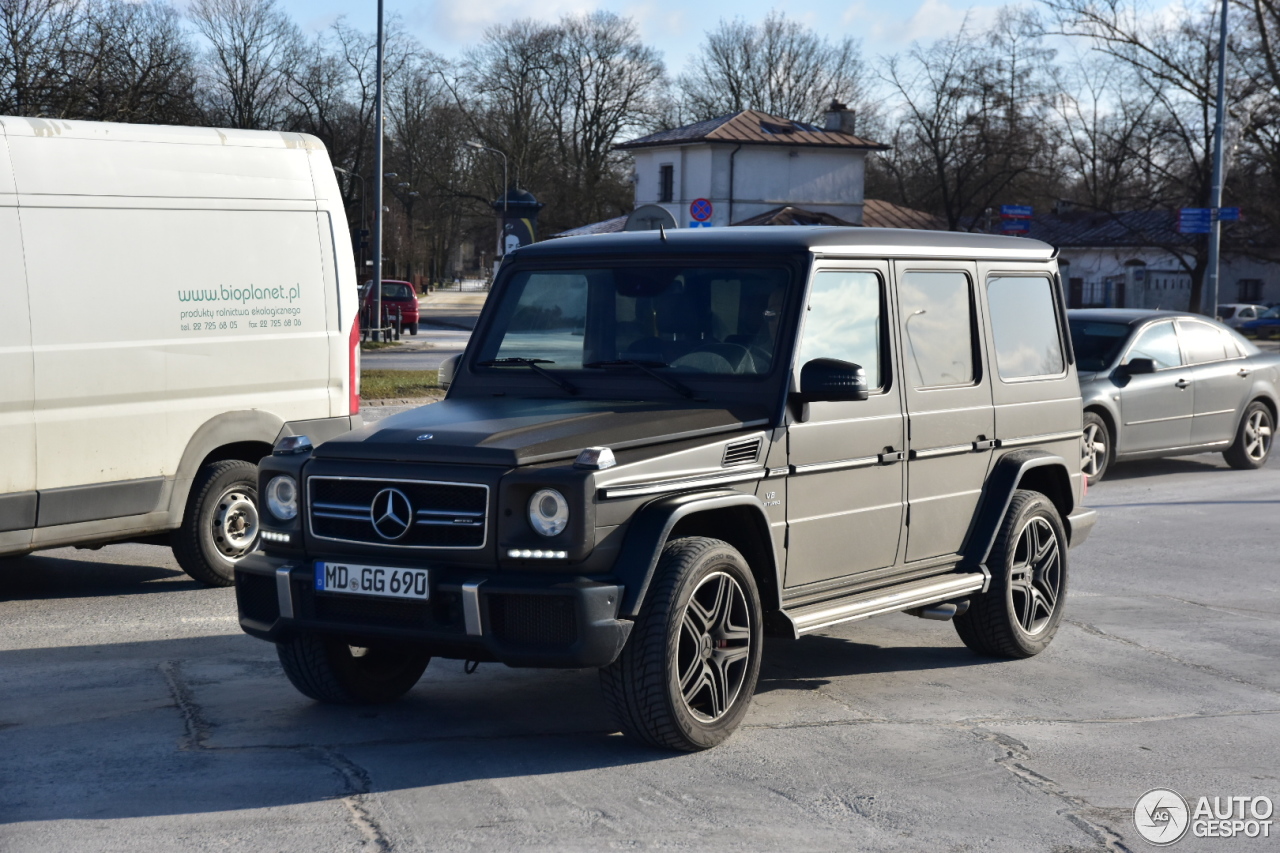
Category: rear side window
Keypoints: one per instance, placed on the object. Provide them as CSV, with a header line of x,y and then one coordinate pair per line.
x,y
1202,342
1158,343
1024,323
937,322
843,321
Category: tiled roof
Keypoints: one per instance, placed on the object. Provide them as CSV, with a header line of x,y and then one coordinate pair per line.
x,y
877,213
788,215
1125,228
755,128
608,226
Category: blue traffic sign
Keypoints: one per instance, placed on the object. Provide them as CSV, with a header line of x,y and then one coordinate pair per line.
x,y
1016,226
1020,211
700,209
1195,220
1229,214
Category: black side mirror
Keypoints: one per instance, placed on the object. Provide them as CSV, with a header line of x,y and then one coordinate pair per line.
x,y
1137,366
831,380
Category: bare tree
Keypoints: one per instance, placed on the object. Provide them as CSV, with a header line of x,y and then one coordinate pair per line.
x,y
779,66
35,37
253,45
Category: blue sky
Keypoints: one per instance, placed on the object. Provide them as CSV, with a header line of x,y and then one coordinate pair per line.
x,y
676,29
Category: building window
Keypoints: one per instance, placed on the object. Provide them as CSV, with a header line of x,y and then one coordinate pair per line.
x,y
666,182
1249,290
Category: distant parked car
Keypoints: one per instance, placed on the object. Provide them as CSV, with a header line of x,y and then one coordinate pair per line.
x,y
396,295
1267,324
1234,313
1162,383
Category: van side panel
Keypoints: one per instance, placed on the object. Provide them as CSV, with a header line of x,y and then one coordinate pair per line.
x,y
340,273
17,426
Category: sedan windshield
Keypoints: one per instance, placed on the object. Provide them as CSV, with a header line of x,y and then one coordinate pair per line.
x,y
684,320
1097,344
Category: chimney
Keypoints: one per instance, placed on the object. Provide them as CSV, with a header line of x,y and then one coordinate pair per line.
x,y
840,118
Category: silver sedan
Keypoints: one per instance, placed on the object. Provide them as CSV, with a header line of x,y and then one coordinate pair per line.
x,y
1162,383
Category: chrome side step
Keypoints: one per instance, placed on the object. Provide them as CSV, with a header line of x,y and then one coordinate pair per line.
x,y
902,597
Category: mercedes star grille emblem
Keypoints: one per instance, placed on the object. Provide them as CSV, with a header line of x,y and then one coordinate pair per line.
x,y
391,513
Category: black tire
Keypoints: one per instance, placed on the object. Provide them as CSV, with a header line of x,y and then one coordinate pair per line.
x,y
1252,446
412,327
1096,448
676,633
329,669
220,525
1020,612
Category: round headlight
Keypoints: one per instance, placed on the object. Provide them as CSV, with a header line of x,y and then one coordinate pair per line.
x,y
282,497
548,512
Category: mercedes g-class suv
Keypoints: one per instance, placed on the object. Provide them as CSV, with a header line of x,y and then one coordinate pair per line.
x,y
661,447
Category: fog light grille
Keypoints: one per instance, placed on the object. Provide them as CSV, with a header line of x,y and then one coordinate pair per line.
x,y
535,620
256,595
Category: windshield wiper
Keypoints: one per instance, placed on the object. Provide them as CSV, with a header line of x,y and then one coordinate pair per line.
x,y
532,364
646,366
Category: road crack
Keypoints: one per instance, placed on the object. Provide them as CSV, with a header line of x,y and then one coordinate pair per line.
x,y
359,792
196,726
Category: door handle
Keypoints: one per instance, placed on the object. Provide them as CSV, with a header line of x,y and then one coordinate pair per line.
x,y
1182,383
1243,372
891,456
985,444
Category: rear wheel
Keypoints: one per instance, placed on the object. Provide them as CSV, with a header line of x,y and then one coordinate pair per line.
x,y
1252,446
220,525
1095,448
685,678
412,327
1019,613
330,669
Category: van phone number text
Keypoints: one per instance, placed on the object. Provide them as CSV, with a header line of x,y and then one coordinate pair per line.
x,y
223,325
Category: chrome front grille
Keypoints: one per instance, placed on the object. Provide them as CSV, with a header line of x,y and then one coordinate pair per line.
x,y
398,513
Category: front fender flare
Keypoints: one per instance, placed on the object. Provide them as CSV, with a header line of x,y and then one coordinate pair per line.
x,y
650,527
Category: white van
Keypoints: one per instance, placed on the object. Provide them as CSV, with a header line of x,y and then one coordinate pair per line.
x,y
172,301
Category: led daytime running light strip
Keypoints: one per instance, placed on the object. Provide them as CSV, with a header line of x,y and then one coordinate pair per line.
x,y
526,554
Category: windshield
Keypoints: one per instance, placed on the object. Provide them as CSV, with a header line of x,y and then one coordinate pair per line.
x,y
1097,344
677,319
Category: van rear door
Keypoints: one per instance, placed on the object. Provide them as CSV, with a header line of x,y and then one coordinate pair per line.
x,y
17,427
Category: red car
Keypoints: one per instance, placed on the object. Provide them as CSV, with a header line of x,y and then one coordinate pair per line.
x,y
396,295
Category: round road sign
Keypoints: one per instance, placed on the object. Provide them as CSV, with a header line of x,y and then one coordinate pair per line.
x,y
700,210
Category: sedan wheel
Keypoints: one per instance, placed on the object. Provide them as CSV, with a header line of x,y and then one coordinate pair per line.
x,y
1253,439
1095,448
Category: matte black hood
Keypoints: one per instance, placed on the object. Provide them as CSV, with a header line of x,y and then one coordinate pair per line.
x,y
511,431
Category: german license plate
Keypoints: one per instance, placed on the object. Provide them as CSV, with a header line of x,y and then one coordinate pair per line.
x,y
372,580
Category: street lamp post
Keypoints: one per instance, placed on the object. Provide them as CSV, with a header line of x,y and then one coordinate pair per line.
x,y
1209,301
482,147
376,283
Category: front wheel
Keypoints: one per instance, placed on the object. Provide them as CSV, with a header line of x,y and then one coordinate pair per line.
x,y
685,678
1019,613
1095,448
329,669
220,524
1253,438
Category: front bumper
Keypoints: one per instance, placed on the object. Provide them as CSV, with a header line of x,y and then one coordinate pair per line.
x,y
519,620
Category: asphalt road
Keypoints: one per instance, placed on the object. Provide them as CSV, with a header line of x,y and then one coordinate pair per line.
x,y
135,717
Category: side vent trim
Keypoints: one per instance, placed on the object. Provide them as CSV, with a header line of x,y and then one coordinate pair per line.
x,y
741,452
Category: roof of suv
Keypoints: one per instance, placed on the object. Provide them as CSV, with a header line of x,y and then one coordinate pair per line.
x,y
822,240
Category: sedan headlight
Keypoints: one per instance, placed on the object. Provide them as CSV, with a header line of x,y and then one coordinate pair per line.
x,y
282,497
548,512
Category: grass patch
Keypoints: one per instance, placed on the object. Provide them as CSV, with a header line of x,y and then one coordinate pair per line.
x,y
392,384
371,346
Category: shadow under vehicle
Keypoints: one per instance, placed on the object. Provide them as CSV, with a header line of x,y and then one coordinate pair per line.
x,y
659,448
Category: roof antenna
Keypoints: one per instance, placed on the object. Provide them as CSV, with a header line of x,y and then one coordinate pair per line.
x,y
662,232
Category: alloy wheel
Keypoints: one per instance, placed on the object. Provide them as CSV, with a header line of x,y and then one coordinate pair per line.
x,y
235,524
714,646
1093,452
1257,435
1035,579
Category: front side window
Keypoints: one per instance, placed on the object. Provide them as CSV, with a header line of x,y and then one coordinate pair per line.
x,y
1024,323
692,320
937,322
843,321
1158,343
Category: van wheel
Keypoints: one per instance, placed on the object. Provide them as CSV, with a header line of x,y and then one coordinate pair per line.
x,y
1019,614
412,327
1253,438
1095,449
687,673
329,669
220,525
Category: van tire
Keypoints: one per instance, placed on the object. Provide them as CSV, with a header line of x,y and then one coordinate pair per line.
x,y
642,688
329,669
1028,583
220,524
